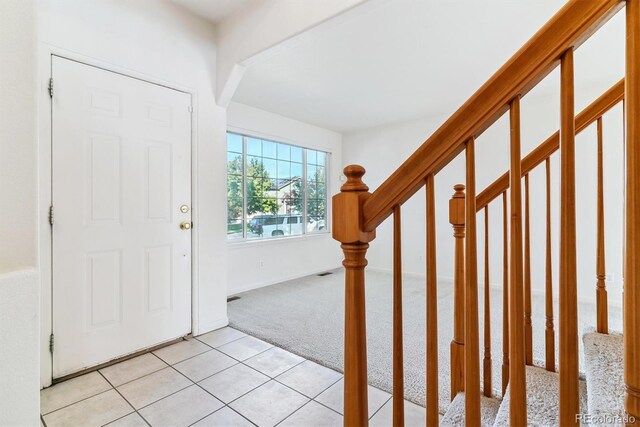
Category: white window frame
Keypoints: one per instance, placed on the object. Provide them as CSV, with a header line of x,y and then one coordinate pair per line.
x,y
305,233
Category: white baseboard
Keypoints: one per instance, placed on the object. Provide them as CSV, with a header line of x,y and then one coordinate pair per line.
x,y
257,285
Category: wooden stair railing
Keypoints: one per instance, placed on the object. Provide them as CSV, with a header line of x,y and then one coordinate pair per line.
x,y
590,115
357,213
549,333
505,293
601,276
517,379
487,389
631,323
471,339
433,415
573,24
542,152
456,218
568,283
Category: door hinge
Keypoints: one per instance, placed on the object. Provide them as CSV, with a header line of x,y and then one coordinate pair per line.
x,y
190,108
51,87
51,343
51,215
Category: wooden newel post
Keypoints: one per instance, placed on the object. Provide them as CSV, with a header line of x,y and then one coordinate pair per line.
x,y
347,229
456,218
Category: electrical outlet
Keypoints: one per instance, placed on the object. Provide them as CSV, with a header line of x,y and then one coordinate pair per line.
x,y
420,258
261,264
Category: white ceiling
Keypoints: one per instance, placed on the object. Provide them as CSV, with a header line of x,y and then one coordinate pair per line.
x,y
213,10
405,59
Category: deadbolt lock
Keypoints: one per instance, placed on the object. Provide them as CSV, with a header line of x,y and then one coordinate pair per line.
x,y
184,208
185,225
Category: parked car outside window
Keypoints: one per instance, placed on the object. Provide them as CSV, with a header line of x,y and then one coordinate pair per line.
x,y
282,225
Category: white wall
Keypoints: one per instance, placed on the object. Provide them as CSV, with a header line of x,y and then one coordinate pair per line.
x,y
18,133
161,42
19,285
381,150
19,356
261,263
263,29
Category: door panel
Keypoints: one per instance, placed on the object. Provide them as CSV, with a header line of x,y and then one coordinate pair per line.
x,y
121,170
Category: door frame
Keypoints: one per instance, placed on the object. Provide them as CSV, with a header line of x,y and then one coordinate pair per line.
x,y
46,53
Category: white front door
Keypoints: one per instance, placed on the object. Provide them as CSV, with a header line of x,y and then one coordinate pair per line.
x,y
121,189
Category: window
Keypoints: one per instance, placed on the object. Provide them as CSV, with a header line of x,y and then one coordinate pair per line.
x,y
274,189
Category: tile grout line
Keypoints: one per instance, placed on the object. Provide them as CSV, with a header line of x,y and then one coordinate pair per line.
x,y
274,379
229,342
207,391
238,362
170,394
167,365
281,373
220,409
201,388
258,386
137,378
270,379
328,407
241,415
291,414
250,357
77,401
220,371
128,403
382,406
188,358
312,399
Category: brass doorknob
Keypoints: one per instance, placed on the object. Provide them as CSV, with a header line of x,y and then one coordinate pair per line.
x,y
185,225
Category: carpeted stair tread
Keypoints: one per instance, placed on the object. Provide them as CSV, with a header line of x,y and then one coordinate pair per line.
x,y
605,373
542,399
455,414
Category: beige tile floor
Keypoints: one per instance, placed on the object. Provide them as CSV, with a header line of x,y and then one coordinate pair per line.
x,y
224,378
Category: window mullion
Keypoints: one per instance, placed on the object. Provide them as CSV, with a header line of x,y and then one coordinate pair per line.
x,y
327,199
245,217
304,191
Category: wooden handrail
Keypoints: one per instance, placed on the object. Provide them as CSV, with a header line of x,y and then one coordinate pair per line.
x,y
573,24
586,117
357,213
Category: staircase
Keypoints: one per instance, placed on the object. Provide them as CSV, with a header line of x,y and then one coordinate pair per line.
x,y
555,394
601,392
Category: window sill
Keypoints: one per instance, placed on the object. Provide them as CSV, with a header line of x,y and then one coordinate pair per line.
x,y
243,243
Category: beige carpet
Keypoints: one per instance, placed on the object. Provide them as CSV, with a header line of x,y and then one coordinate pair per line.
x,y
305,316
